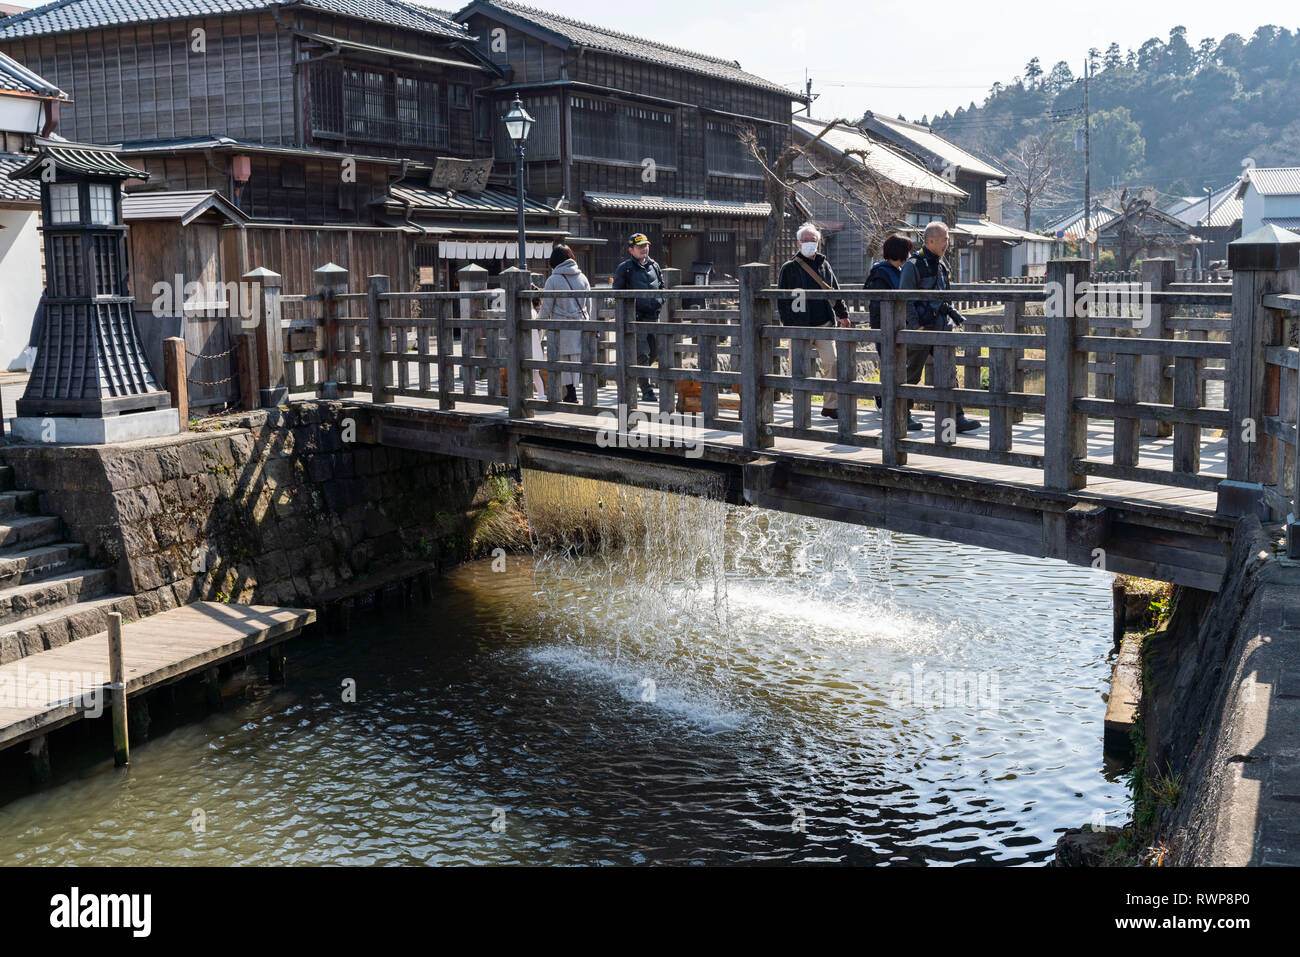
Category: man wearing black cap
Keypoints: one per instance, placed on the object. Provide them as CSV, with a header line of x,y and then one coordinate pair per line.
x,y
639,271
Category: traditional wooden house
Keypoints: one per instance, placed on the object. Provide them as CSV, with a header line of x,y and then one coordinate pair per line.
x,y
636,135
301,115
1215,218
979,243
852,228
29,105
1150,234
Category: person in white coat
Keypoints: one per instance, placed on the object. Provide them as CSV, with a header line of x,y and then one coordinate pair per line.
x,y
565,274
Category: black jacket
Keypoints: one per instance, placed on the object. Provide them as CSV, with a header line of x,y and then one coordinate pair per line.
x,y
925,270
631,274
818,311
883,275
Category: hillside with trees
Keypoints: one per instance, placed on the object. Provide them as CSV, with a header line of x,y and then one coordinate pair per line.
x,y
1170,114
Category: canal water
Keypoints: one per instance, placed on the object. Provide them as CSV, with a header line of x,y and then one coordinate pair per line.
x,y
667,679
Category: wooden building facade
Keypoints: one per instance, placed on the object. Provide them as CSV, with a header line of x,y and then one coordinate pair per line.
x,y
636,135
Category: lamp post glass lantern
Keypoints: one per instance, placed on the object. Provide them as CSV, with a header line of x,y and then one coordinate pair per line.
x,y
518,125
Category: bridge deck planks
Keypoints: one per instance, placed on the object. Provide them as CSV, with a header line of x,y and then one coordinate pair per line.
x,y
155,651
1154,452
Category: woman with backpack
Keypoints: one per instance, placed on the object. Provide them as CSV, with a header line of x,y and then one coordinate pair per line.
x,y
565,274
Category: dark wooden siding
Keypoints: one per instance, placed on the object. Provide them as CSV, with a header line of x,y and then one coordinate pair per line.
x,y
146,83
322,197
295,253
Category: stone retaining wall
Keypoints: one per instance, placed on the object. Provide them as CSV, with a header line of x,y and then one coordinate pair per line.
x,y
277,510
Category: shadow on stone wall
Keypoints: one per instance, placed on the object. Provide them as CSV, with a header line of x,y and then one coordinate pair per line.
x,y
279,508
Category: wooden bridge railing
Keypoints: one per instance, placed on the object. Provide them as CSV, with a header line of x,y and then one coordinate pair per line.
x,y
1142,357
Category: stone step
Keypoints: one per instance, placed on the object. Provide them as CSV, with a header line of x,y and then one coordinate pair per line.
x,y
21,601
28,532
21,501
33,564
57,627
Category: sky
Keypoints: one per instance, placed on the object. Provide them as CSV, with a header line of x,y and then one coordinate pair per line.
x,y
913,58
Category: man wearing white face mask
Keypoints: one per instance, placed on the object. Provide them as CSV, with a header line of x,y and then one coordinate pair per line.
x,y
811,270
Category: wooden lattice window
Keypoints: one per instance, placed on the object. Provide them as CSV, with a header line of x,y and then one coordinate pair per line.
x,y
623,132
725,154
107,277
65,271
379,106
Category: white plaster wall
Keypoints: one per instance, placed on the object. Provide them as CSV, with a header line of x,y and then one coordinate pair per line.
x,y
20,281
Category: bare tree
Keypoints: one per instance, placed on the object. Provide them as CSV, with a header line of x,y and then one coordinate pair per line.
x,y
874,203
1133,211
1035,174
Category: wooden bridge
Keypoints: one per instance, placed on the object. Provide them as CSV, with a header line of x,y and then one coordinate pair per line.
x,y
1126,427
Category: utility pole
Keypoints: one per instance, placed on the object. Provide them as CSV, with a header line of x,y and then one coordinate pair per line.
x,y
807,89
1087,156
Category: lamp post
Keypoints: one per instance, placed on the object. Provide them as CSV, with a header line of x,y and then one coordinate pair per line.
x,y
519,124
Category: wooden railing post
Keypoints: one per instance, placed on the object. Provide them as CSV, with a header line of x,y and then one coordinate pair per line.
x,y
377,336
665,344
471,278
755,359
893,369
176,380
519,381
1153,384
1262,263
1065,439
331,280
270,336
625,353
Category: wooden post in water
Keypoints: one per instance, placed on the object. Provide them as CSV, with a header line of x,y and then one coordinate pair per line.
x,y
117,684
755,401
377,336
1065,438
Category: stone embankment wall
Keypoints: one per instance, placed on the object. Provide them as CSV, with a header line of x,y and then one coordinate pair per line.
x,y
1221,717
282,507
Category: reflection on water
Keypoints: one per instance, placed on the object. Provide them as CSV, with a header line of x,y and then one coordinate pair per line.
x,y
718,685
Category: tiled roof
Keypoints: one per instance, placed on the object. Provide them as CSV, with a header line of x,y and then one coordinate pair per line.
x,y
881,159
490,200
987,229
610,41
185,206
63,16
1283,222
1272,181
16,78
1072,225
17,190
76,158
667,204
1225,208
911,135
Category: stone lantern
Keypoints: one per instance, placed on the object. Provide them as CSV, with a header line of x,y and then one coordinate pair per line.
x,y
91,383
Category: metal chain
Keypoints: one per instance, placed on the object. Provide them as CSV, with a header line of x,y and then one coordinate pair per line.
x,y
219,355
229,378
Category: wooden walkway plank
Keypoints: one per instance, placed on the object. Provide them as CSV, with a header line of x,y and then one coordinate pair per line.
x,y
44,690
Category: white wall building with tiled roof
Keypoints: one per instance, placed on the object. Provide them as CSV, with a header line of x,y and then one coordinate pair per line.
x,y
29,105
1270,196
